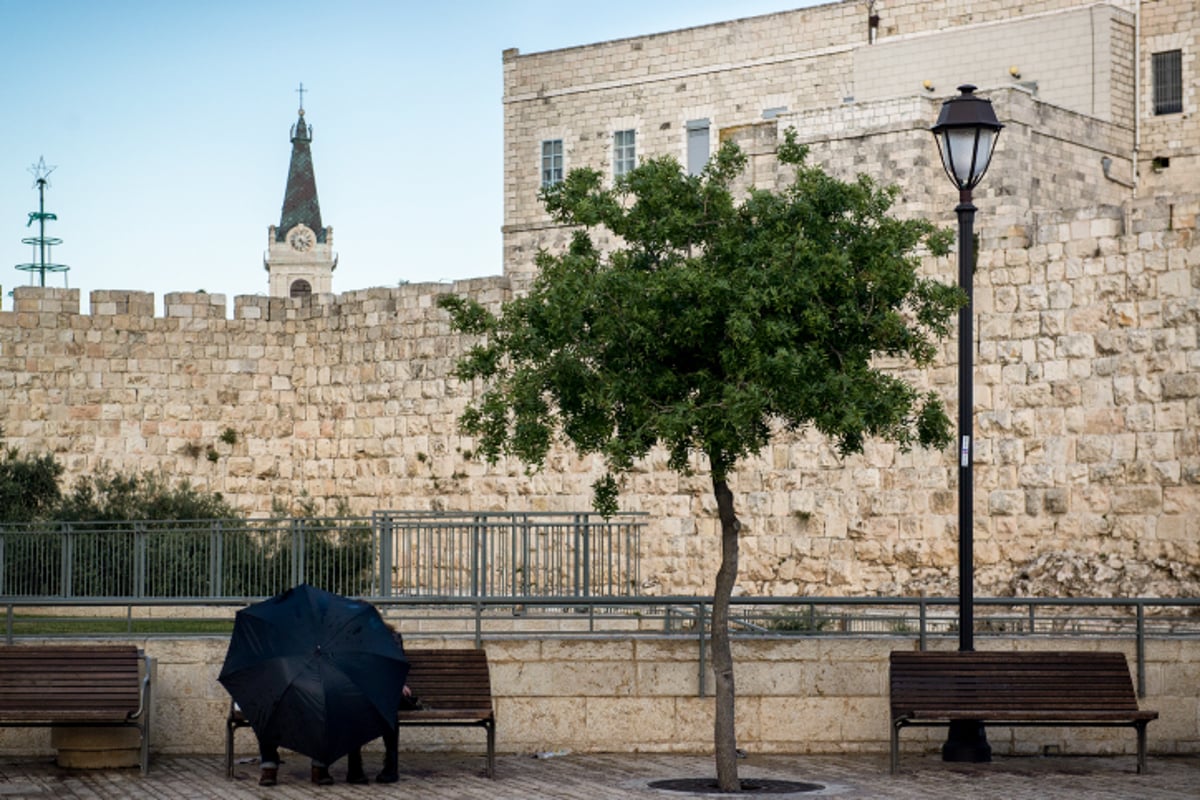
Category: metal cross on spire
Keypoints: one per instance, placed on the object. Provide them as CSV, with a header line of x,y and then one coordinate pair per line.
x,y
300,91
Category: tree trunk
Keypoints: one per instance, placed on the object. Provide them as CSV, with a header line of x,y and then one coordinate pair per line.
x,y
724,733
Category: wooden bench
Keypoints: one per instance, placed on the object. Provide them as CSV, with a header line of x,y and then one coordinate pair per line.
x,y
1065,689
77,686
454,688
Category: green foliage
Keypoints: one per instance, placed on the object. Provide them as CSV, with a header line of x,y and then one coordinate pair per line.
x,y
139,534
339,554
28,485
715,325
229,436
106,496
808,621
712,327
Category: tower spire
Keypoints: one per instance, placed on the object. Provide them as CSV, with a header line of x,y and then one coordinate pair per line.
x,y
300,203
300,260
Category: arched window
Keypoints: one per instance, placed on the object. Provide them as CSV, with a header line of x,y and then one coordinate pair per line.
x,y
301,288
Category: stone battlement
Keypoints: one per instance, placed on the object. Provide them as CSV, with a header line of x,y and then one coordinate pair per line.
x,y
136,306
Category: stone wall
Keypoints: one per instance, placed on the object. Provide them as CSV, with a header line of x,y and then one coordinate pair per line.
x,y
818,695
1086,389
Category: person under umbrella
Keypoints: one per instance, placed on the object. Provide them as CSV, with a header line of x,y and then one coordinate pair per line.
x,y
315,672
391,741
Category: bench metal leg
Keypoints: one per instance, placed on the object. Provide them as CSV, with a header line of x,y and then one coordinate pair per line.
x,y
895,747
148,668
491,746
145,754
229,750
1141,747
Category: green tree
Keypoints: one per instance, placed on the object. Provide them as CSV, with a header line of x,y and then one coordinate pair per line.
x,y
28,485
111,510
713,326
107,496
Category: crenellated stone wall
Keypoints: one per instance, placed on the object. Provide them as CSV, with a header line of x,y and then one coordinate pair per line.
x,y
1087,403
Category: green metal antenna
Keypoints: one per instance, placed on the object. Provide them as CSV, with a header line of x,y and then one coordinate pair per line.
x,y
42,243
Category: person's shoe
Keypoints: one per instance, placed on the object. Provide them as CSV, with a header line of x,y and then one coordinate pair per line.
x,y
269,776
387,775
321,776
357,778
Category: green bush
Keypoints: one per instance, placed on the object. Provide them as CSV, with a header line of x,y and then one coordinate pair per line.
x,y
128,535
28,485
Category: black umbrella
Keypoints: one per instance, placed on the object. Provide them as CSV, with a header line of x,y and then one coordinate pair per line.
x,y
315,672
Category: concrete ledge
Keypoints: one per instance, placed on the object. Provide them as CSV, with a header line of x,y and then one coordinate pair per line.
x,y
817,695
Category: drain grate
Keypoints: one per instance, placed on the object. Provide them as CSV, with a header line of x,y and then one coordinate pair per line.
x,y
750,786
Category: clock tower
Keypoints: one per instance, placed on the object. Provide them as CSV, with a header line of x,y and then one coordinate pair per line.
x,y
299,259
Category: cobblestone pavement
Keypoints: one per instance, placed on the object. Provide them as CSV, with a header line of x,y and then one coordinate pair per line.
x,y
591,777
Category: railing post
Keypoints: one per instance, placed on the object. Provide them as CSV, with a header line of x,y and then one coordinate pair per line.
x,y
702,626
1141,649
922,624
477,564
216,560
68,546
382,524
478,605
139,560
584,555
297,551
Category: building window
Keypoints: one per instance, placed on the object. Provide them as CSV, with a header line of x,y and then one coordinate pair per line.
x,y
624,152
1168,82
697,146
301,288
552,162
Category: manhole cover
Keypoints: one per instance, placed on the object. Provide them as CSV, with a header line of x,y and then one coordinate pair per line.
x,y
750,786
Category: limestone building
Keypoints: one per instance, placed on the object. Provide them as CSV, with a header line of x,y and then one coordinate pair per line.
x,y
1100,101
300,259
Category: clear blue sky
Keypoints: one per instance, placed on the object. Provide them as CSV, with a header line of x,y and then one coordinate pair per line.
x,y
168,121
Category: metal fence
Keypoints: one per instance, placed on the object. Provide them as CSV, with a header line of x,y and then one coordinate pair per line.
x,y
388,554
927,621
508,555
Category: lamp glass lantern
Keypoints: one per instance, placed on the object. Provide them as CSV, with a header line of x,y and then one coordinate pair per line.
x,y
966,133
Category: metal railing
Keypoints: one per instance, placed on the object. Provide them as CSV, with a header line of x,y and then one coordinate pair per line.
x,y
388,554
508,554
924,620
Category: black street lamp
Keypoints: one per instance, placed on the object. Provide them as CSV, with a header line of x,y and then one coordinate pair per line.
x,y
966,133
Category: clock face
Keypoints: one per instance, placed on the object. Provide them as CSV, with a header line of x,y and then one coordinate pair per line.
x,y
301,239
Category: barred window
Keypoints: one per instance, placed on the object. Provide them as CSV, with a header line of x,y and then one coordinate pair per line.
x,y
1168,82
552,162
697,145
624,152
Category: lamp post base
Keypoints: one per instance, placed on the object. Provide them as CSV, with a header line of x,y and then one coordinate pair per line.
x,y
967,742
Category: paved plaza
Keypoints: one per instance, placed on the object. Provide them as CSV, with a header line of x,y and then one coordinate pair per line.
x,y
592,776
